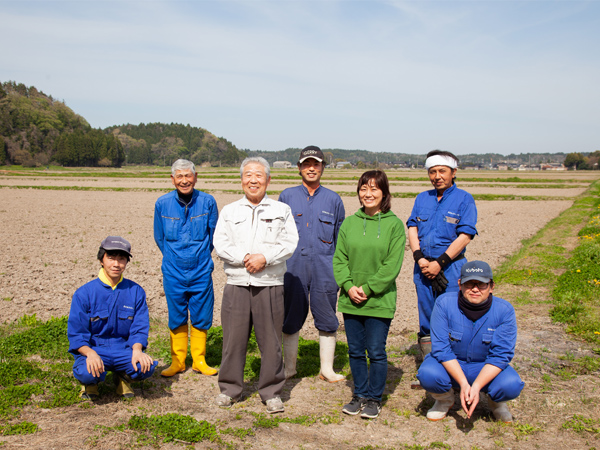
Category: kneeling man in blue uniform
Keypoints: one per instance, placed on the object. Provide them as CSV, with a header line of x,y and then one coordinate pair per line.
x,y
473,337
108,325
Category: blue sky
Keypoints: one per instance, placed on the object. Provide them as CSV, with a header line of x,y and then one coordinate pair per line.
x,y
398,76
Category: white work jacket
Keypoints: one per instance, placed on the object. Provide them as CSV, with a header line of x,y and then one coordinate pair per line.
x,y
267,228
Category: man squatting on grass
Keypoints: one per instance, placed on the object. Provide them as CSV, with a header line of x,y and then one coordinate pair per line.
x,y
108,325
473,337
309,281
254,237
184,224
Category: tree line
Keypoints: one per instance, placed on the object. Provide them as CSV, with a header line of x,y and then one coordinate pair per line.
x,y
583,161
37,129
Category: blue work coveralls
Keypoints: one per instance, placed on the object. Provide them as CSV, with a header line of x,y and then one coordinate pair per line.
x,y
489,340
439,224
184,235
310,269
109,322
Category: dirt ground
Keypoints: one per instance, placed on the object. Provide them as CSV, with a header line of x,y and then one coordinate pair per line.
x,y
49,242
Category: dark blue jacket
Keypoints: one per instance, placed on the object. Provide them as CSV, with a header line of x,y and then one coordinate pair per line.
x,y
318,219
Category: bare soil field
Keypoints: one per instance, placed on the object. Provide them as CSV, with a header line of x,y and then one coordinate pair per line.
x,y
484,187
48,247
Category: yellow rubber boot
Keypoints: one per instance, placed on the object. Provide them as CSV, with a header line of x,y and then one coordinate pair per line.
x,y
179,346
198,348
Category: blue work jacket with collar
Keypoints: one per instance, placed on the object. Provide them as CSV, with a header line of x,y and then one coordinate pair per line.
x,y
318,218
440,223
490,340
103,317
184,233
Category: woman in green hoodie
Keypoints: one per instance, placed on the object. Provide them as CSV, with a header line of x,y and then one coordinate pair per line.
x,y
367,261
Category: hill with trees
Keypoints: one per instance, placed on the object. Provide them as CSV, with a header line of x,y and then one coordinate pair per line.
x,y
162,144
36,129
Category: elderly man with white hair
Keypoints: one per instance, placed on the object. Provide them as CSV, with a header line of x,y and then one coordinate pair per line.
x,y
254,237
184,223
440,226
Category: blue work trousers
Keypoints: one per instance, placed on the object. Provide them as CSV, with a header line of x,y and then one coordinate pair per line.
x,y
186,291
434,378
309,283
115,360
426,297
367,334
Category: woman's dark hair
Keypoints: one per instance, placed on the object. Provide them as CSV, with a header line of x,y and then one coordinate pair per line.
x,y
381,181
102,252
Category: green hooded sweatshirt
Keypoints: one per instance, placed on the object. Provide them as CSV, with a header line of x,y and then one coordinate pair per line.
x,y
369,253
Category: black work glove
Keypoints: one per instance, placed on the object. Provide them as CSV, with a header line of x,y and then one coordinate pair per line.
x,y
439,283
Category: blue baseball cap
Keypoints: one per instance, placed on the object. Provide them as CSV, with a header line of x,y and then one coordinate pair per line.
x,y
476,270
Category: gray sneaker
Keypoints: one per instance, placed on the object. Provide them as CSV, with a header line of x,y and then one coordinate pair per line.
x,y
274,405
372,410
224,400
355,406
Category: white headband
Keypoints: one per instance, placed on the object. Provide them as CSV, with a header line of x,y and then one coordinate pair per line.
x,y
440,160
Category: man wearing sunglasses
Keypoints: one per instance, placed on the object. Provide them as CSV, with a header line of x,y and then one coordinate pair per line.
x,y
473,337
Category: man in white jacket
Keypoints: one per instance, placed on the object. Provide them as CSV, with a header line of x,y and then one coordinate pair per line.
x,y
254,237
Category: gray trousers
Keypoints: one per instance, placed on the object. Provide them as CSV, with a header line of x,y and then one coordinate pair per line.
x,y
242,308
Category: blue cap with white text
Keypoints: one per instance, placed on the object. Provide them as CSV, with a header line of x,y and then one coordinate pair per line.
x,y
476,270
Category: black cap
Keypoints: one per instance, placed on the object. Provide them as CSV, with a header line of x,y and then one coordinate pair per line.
x,y
311,151
476,270
116,243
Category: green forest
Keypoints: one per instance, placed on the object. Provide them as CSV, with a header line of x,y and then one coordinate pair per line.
x,y
37,130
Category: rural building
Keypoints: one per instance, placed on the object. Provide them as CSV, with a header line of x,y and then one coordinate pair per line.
x,y
282,165
553,166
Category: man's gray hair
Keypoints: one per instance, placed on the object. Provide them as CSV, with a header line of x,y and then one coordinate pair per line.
x,y
182,164
256,159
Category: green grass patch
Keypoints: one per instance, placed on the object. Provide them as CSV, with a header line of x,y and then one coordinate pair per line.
x,y
572,278
35,367
524,429
157,429
525,277
580,424
577,291
18,428
261,420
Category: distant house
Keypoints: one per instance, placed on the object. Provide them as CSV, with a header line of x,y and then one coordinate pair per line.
x,y
343,164
282,165
553,166
502,166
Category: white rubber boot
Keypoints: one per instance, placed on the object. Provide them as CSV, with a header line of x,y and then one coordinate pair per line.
x,y
443,403
290,354
327,353
500,411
